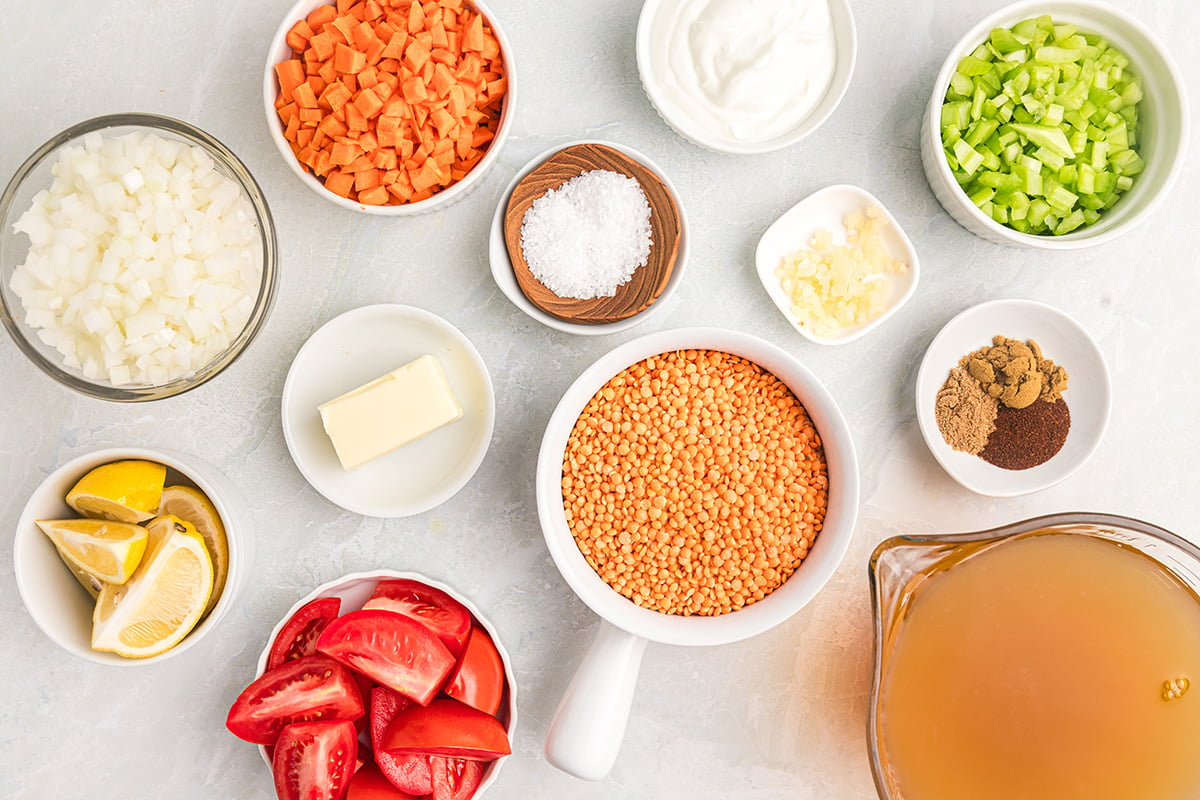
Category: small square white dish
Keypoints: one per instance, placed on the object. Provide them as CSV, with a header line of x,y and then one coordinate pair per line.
x,y
1065,342
826,209
359,346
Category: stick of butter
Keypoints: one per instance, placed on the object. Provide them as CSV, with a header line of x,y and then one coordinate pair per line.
x,y
389,412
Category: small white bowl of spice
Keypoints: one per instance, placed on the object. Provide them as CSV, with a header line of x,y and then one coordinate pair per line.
x,y
589,238
837,264
1012,396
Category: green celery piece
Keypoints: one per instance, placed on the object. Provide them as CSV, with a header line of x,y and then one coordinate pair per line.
x,y
972,66
1050,222
957,114
1054,115
1038,210
1022,116
1018,224
1117,138
986,207
977,97
999,180
982,195
1090,216
1027,29
1104,181
991,160
1086,182
969,158
1127,163
1061,198
1050,158
1017,85
1094,134
1078,141
1091,202
1074,118
1069,222
1049,54
1000,213
1087,110
978,133
1033,106
993,143
960,86
1019,202
1068,175
1071,42
1004,41
1064,30
1051,138
1011,152
1130,115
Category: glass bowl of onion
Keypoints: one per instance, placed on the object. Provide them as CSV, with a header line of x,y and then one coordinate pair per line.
x,y
137,257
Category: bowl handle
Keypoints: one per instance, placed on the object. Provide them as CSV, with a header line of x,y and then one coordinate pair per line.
x,y
587,729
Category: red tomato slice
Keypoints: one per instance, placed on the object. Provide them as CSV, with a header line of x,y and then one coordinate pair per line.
x,y
410,773
390,649
478,680
447,728
455,778
314,760
298,636
304,690
370,784
433,608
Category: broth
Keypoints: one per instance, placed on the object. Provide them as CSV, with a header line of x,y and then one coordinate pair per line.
x,y
1045,667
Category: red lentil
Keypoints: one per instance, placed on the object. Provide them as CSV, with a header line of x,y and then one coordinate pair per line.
x,y
694,482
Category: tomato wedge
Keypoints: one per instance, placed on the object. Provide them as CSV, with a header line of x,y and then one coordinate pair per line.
x,y
409,773
433,608
314,760
447,728
298,636
307,689
390,649
478,679
455,778
370,784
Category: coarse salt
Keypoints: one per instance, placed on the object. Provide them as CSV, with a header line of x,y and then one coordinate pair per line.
x,y
586,238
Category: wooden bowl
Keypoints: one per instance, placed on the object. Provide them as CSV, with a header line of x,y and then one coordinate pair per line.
x,y
646,283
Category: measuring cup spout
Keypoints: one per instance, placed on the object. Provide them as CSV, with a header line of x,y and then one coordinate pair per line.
x,y
586,732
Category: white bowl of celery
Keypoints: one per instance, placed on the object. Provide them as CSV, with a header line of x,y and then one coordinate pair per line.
x,y
1057,125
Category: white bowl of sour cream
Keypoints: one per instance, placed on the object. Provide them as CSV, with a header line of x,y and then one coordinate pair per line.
x,y
745,76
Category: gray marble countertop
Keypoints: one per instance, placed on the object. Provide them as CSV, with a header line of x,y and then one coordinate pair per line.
x,y
781,714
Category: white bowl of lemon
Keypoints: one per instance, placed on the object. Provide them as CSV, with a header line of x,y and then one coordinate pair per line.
x,y
130,556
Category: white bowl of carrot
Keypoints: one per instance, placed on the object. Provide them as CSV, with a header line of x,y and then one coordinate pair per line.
x,y
389,107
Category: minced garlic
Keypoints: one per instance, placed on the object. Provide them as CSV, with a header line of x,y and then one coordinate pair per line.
x,y
833,287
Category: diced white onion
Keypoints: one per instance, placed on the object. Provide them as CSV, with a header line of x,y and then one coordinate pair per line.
x,y
144,259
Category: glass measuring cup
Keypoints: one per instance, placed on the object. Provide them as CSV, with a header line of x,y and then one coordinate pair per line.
x,y
902,568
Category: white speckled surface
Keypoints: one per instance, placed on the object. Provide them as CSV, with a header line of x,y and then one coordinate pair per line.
x,y
780,715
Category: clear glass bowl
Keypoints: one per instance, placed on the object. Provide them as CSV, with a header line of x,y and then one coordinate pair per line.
x,y
900,564
35,175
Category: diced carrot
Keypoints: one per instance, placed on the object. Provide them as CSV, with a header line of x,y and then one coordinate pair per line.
x,y
355,120
359,164
366,179
496,89
290,74
332,126
319,139
342,153
317,18
348,60
384,158
395,47
491,46
368,103
443,56
375,50
335,96
368,78
311,115
372,11
443,121
286,112
328,71
298,36
343,6
482,136
305,96
416,55
414,90
375,196
437,34
350,81
472,37
345,25
416,18
362,35
292,128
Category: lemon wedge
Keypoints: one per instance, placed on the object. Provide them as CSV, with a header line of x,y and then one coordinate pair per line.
x,y
192,505
106,550
163,600
124,491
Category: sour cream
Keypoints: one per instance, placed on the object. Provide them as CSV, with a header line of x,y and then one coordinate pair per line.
x,y
743,71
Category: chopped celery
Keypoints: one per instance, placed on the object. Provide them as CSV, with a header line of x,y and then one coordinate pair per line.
x,y
1039,126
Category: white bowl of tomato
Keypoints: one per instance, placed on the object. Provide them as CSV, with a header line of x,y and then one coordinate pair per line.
x,y
381,684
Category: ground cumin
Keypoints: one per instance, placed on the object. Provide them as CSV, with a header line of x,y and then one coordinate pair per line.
x,y
1015,372
965,413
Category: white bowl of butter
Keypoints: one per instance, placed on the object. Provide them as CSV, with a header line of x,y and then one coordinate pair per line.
x,y
388,410
745,76
837,264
